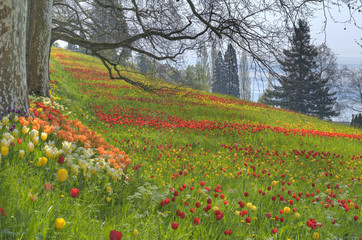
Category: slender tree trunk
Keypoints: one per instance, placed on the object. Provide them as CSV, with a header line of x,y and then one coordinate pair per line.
x,y
13,86
38,42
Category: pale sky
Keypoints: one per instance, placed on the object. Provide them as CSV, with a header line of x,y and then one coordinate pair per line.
x,y
340,37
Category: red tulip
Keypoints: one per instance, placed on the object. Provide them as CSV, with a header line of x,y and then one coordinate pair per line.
x,y
74,192
61,159
115,235
178,212
174,225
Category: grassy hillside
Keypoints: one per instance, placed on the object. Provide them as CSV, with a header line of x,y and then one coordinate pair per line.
x,y
173,165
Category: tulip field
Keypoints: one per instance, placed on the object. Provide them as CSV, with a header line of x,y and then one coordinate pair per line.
x,y
102,159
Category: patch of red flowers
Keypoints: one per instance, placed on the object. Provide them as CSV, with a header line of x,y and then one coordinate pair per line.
x,y
312,223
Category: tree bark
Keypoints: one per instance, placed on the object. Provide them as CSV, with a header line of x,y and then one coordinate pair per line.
x,y
37,46
13,86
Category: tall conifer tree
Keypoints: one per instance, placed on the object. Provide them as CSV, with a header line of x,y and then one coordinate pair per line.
x,y
218,76
300,88
231,78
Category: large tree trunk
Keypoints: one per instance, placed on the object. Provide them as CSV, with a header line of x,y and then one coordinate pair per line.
x,y
38,42
13,86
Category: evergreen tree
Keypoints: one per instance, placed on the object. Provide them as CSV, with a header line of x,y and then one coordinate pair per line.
x,y
231,78
301,88
218,82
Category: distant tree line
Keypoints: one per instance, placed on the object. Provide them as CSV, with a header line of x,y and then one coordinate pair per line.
x,y
225,74
357,120
211,73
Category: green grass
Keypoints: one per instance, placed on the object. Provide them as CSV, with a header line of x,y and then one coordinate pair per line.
x,y
207,137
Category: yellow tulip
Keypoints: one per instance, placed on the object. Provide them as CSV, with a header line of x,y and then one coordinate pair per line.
x,y
60,223
5,121
286,210
36,141
108,189
43,161
315,235
33,133
25,130
274,183
4,151
15,133
30,146
62,175
21,153
44,136
135,232
48,152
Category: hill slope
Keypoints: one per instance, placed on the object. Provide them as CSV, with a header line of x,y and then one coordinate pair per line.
x,y
203,166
